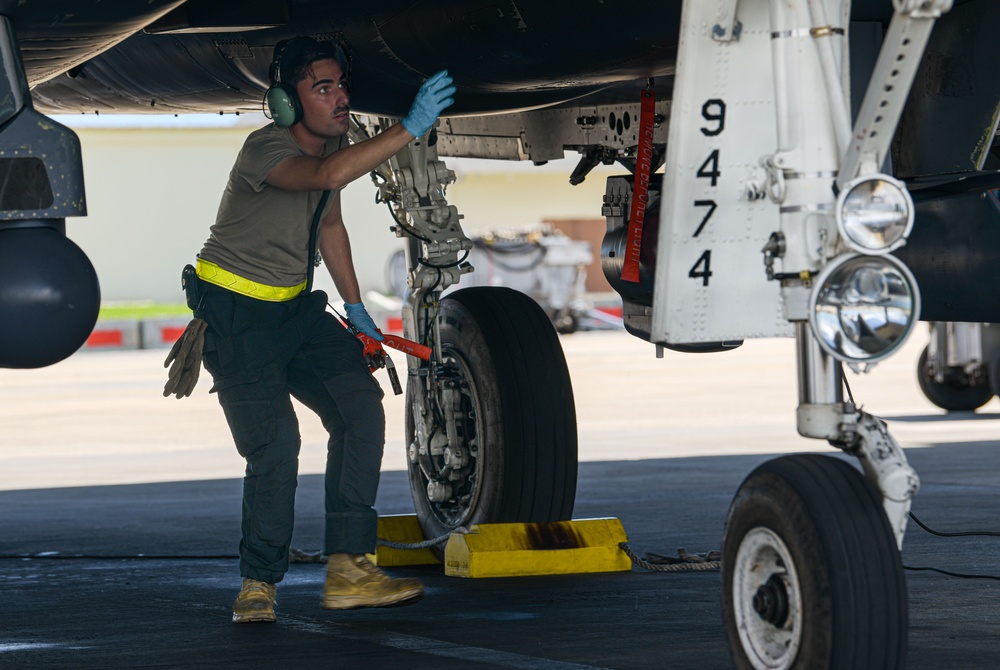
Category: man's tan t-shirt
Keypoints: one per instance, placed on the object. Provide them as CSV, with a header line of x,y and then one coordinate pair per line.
x,y
262,232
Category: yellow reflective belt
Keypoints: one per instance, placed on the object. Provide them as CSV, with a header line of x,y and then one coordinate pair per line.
x,y
214,274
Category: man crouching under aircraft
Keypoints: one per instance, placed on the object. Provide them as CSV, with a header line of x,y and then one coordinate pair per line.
x,y
268,337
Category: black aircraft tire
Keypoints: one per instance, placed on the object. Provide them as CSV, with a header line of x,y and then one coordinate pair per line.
x,y
811,575
995,374
523,408
950,397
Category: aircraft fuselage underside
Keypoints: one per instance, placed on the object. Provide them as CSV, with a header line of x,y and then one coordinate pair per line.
x,y
792,134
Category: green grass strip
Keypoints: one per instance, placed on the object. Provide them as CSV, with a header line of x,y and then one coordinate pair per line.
x,y
125,311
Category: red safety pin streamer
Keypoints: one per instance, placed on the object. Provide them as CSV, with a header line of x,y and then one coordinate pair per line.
x,y
640,189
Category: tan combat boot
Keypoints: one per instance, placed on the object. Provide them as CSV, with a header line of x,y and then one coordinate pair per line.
x,y
255,602
353,581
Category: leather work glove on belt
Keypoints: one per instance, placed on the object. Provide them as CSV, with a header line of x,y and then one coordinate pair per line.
x,y
186,358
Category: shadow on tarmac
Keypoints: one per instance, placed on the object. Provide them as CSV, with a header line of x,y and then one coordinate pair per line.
x,y
144,576
943,418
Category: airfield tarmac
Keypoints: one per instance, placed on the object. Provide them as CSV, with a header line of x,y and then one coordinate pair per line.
x,y
129,503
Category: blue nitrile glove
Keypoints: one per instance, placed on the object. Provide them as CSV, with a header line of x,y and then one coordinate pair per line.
x,y
358,315
432,98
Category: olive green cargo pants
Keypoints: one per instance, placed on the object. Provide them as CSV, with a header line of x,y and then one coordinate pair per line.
x,y
261,354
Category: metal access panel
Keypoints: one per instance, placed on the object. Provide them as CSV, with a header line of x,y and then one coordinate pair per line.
x,y
711,283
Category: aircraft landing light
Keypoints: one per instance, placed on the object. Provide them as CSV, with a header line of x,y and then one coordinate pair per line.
x,y
863,308
875,214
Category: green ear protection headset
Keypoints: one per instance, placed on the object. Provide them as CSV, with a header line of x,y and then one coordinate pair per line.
x,y
282,98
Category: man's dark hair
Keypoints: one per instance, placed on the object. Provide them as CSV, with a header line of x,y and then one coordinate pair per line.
x,y
307,51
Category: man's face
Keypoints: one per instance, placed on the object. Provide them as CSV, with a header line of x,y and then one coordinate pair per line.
x,y
325,102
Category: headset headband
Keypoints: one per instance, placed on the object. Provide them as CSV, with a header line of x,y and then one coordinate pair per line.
x,y
287,51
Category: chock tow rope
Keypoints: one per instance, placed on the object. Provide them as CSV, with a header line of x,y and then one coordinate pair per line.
x,y
426,544
299,556
685,562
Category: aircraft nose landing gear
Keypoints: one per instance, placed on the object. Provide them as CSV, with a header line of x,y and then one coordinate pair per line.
x,y
809,564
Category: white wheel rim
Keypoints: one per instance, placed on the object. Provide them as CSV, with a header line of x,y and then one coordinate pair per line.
x,y
761,556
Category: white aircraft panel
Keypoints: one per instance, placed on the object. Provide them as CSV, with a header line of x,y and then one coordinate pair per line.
x,y
711,283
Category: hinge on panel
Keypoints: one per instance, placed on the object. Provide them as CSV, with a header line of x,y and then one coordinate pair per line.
x,y
726,27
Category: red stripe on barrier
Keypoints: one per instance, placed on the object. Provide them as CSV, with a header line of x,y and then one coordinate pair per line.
x,y
106,338
169,335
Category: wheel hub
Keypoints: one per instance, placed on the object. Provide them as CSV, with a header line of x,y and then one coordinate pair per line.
x,y
771,602
452,472
767,600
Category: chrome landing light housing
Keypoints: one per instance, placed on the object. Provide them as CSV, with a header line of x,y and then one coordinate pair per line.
x,y
862,308
874,214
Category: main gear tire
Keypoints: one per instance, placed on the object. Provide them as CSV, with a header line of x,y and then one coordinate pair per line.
x,y
517,419
811,575
995,374
952,397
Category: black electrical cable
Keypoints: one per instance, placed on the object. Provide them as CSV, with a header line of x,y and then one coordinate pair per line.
x,y
950,574
494,251
982,533
409,230
985,533
427,304
846,384
446,266
412,232
405,227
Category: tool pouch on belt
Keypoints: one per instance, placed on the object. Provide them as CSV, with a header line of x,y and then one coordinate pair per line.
x,y
192,292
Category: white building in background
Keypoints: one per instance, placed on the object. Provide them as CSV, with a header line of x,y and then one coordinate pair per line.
x,y
154,182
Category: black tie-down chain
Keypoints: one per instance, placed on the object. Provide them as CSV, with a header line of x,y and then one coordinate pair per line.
x,y
683,562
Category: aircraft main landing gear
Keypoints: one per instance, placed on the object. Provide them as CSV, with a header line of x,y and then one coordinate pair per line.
x,y
490,422
497,440
959,369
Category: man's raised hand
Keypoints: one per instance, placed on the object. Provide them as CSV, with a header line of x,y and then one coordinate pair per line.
x,y
434,96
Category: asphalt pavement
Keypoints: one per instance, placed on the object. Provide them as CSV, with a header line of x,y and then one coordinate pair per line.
x,y
119,522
